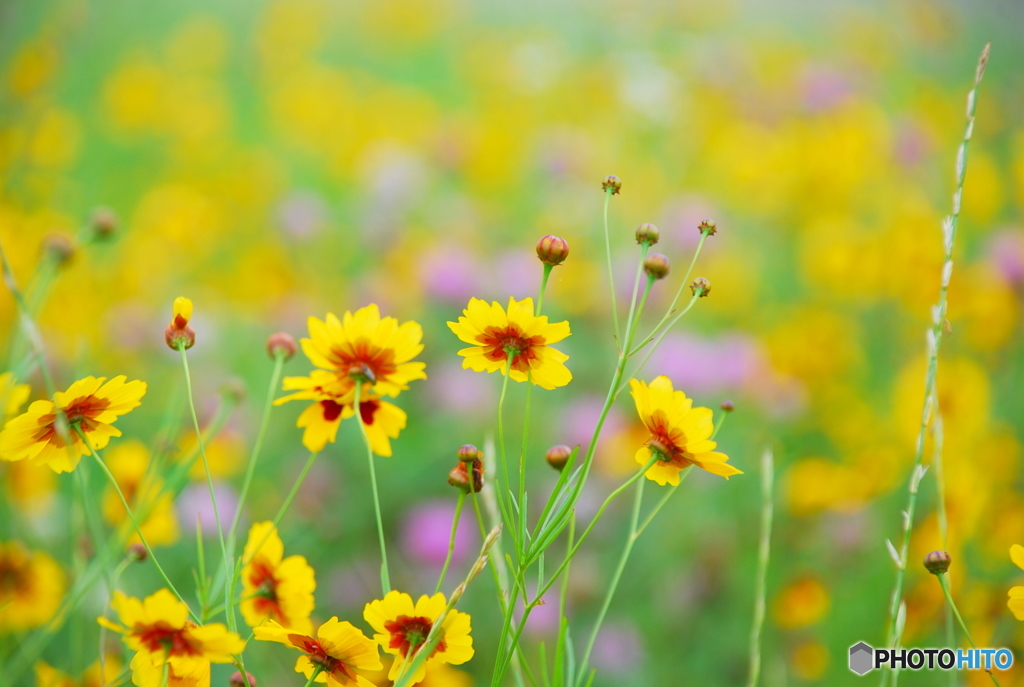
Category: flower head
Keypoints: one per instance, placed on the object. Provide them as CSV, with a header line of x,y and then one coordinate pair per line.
x,y
93,676
402,627
31,587
515,339
178,333
159,631
680,434
552,250
338,650
273,586
91,404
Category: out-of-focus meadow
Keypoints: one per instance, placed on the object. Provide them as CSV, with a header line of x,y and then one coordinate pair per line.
x,y
275,160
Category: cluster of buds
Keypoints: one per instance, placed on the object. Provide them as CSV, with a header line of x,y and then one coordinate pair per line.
x,y
558,456
178,334
552,250
656,266
647,234
468,475
701,287
283,344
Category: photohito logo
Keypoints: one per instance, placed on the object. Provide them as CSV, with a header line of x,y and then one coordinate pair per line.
x,y
864,658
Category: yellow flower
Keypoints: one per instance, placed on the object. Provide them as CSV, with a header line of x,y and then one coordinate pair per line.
x,y
31,587
339,650
182,312
12,395
680,433
802,602
518,334
401,628
334,402
159,630
94,675
366,346
273,586
1016,594
89,404
129,463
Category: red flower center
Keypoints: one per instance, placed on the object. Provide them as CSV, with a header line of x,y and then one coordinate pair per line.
x,y
368,359
12,578
499,344
262,577
341,671
331,410
408,634
81,411
161,638
367,409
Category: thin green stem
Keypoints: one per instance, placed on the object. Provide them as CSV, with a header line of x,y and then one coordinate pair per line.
x,y
940,487
287,502
960,620
314,676
385,578
763,552
682,286
451,540
644,247
543,287
608,255
506,487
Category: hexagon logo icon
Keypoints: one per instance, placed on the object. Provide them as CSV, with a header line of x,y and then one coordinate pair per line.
x,y
861,658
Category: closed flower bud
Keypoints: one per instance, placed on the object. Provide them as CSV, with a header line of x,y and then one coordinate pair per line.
x,y
708,227
558,456
238,681
281,343
728,406
103,223
468,453
700,287
178,333
937,562
59,248
552,250
647,234
612,183
137,552
468,476
656,265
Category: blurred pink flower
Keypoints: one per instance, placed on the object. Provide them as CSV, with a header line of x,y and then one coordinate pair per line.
x,y
618,649
450,274
427,529
1006,252
707,366
194,502
463,391
579,418
302,214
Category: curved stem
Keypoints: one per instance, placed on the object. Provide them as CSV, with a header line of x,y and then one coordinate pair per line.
x,y
608,255
287,502
679,293
385,578
314,676
543,287
960,620
451,541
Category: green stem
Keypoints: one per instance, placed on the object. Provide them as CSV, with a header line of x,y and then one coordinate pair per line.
x,y
686,282
960,620
543,287
763,552
506,487
451,541
287,501
644,247
608,255
314,676
385,578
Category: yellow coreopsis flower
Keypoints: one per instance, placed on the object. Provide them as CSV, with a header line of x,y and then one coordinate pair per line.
x,y
129,463
517,335
401,628
89,404
273,586
680,434
31,587
338,650
159,631
94,675
12,395
365,346
1016,594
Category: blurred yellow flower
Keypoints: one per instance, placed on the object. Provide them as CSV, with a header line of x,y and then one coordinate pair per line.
x,y
517,335
89,404
802,602
401,627
31,587
1016,594
273,586
129,463
94,675
159,631
339,649
680,435
12,396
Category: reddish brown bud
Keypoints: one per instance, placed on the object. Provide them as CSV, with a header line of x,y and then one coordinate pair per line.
x,y
708,227
460,476
103,223
468,453
656,265
728,406
700,287
59,248
137,552
937,562
647,234
612,183
282,343
175,335
558,456
552,250
238,681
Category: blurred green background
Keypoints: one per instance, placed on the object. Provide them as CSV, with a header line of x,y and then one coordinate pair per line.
x,y
275,160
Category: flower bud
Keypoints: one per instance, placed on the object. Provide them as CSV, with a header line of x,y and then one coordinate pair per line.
x,y
103,223
468,453
937,562
460,476
708,227
612,183
647,234
238,681
137,552
700,287
281,343
558,456
60,248
728,406
552,250
178,333
656,266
